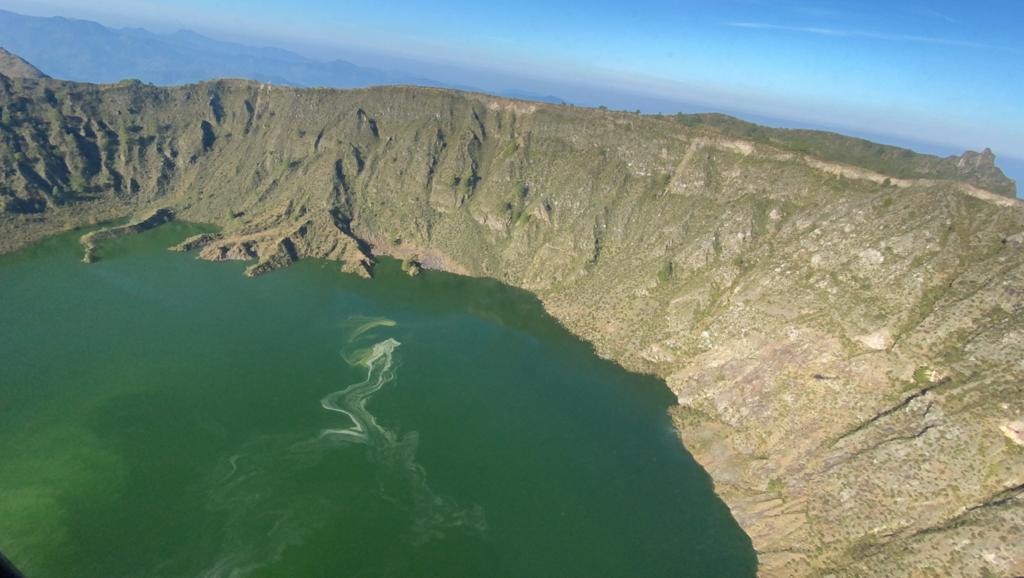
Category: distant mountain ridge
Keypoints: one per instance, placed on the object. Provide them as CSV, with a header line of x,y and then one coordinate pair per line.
x,y
86,51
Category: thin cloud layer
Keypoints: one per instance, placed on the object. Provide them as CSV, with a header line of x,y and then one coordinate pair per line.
x,y
846,33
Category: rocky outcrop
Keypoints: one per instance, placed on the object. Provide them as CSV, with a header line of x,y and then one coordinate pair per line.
x,y
788,299
281,245
982,167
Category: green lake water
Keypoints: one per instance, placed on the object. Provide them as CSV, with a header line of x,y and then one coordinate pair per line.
x,y
164,416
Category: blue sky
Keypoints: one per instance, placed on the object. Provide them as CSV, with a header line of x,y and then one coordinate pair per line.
x,y
935,73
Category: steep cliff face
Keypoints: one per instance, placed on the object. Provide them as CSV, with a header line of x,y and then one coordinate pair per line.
x,y
845,338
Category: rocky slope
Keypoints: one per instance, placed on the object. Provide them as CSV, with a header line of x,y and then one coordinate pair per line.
x,y
844,331
13,66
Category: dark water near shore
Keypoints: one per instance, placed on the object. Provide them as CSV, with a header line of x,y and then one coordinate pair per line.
x,y
163,416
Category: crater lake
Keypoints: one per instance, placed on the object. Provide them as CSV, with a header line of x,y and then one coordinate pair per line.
x,y
165,416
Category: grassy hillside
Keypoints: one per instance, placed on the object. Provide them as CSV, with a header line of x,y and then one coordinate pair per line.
x,y
840,321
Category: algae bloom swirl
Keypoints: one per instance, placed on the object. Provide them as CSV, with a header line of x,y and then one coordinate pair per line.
x,y
351,401
402,478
